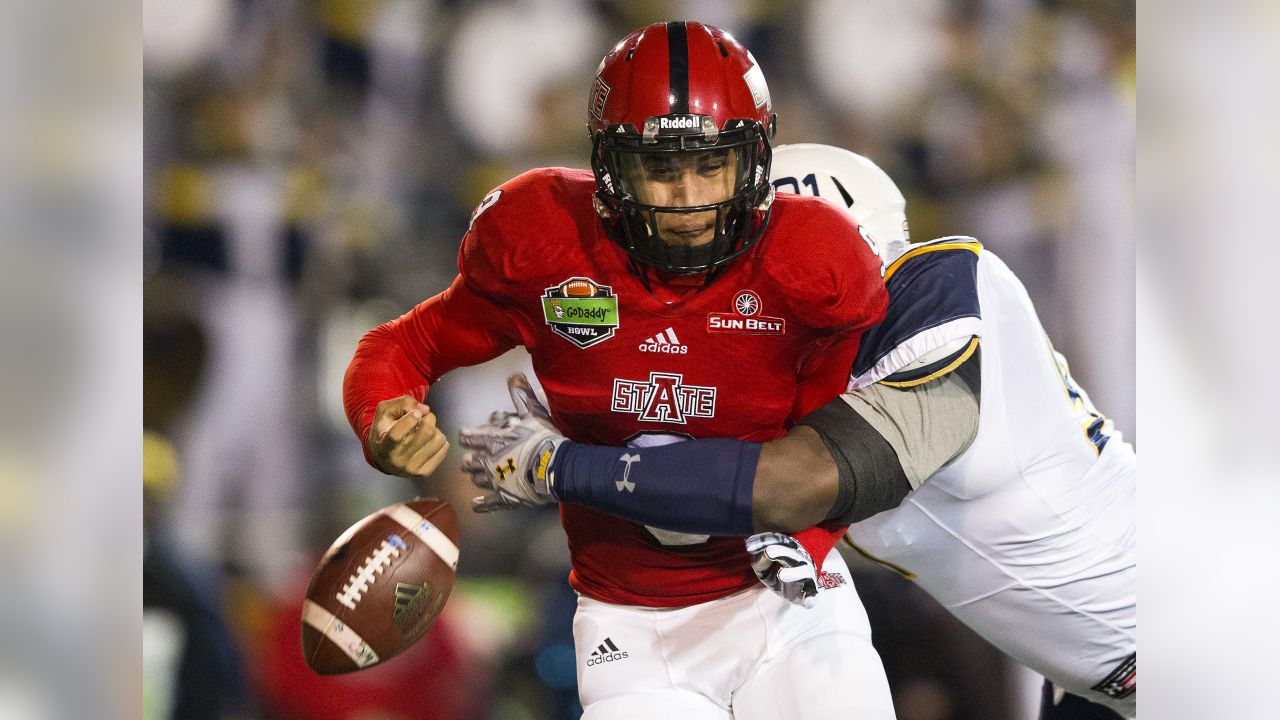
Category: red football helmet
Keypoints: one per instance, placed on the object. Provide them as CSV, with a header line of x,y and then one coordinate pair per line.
x,y
680,120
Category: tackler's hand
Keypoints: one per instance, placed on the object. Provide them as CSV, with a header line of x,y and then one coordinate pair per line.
x,y
511,454
784,566
404,439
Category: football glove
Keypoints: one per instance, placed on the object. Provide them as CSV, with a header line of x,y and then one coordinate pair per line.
x,y
512,453
784,566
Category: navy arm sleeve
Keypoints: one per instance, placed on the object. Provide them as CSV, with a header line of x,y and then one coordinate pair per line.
x,y
698,486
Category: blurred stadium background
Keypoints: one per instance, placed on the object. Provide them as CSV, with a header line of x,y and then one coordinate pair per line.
x,y
310,167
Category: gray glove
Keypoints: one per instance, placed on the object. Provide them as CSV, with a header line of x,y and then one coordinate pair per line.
x,y
784,566
511,454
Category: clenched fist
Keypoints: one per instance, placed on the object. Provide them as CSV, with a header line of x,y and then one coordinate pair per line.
x,y
404,439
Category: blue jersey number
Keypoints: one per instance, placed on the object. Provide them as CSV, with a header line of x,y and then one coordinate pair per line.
x,y
810,181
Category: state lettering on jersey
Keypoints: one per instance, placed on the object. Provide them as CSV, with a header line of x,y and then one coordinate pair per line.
x,y
663,398
581,311
745,318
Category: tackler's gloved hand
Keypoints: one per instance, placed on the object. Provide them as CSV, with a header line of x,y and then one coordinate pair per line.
x,y
512,453
784,566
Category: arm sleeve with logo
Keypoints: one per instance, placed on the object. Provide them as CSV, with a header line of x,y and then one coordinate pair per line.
x,y
699,486
461,326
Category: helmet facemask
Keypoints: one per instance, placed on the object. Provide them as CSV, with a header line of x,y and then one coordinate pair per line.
x,y
684,203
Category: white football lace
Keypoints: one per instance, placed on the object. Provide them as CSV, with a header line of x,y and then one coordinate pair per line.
x,y
374,565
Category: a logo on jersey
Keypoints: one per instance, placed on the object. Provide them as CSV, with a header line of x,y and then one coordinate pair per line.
x,y
605,652
665,342
599,96
581,311
745,318
1123,681
830,580
664,398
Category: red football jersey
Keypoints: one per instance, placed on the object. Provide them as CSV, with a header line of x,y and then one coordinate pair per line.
x,y
770,339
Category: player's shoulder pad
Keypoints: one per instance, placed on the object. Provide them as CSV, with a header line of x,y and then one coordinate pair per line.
x,y
540,214
802,229
828,275
933,308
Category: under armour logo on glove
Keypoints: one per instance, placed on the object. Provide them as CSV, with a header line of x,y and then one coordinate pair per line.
x,y
784,566
503,470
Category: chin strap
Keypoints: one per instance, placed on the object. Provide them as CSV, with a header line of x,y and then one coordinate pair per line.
x,y
711,275
642,271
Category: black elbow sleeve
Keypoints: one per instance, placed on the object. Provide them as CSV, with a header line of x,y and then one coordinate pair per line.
x,y
871,478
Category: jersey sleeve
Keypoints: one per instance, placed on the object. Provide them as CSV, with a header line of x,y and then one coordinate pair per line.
x,y
824,372
489,255
932,302
927,424
831,275
458,327
820,540
833,288
516,229
933,306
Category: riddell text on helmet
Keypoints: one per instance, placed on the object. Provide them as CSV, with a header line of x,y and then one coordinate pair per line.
x,y
679,122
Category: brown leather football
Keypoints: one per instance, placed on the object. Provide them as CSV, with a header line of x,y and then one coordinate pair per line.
x,y
380,586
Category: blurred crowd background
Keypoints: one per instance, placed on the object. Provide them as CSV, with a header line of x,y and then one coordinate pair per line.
x,y
310,167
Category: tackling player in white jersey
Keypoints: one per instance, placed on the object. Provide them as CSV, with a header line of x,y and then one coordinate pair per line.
x,y
963,455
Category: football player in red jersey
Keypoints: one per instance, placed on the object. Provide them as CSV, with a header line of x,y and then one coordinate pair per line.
x,y
666,295
935,445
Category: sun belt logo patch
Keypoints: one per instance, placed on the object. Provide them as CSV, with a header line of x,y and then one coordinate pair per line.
x,y
581,311
663,398
745,318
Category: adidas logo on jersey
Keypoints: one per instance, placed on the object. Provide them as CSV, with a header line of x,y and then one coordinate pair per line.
x,y
665,342
606,652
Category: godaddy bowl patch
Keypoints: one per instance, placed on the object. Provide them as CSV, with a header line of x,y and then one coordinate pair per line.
x,y
581,311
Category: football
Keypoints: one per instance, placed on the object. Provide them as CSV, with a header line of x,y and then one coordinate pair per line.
x,y
380,586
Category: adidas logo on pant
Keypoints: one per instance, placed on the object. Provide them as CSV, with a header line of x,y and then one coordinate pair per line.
x,y
665,342
606,652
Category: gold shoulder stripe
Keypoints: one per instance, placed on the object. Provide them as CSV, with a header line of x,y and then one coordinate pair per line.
x,y
968,351
972,245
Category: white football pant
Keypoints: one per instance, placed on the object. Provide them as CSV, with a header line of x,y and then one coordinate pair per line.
x,y
749,656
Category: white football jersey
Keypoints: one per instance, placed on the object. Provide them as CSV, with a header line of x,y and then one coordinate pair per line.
x,y
1029,536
